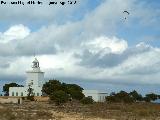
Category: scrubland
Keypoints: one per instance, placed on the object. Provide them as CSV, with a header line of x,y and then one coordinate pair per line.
x,y
76,111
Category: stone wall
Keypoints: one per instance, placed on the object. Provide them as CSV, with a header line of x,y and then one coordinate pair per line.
x,y
41,98
7,99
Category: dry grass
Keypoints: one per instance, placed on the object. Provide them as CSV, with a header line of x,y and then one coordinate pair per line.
x,y
123,111
77,111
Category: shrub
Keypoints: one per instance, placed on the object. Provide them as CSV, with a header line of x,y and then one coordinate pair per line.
x,y
87,100
31,98
62,92
136,96
51,86
122,96
23,98
59,97
147,99
77,95
152,96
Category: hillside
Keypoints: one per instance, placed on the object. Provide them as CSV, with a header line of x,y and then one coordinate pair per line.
x,y
76,111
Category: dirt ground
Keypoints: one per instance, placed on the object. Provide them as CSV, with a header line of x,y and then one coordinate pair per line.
x,y
77,111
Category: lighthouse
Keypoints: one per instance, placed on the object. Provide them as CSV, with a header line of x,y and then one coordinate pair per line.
x,y
35,80
35,77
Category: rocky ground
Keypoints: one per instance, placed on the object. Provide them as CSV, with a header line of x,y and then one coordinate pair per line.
x,y
77,111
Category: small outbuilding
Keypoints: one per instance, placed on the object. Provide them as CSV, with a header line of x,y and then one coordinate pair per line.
x,y
96,95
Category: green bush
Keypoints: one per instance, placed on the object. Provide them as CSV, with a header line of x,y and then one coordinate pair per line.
x,y
147,99
59,97
51,86
77,95
136,96
62,92
122,96
87,100
151,96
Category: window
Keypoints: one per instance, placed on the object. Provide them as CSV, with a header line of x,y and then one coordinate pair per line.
x,y
16,93
21,93
12,93
37,94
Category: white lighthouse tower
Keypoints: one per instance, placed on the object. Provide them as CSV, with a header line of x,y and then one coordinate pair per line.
x,y
35,80
35,77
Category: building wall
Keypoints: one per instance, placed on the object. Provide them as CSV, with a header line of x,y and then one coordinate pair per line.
x,y
18,91
41,98
37,91
5,99
102,97
23,91
95,95
41,79
91,93
35,77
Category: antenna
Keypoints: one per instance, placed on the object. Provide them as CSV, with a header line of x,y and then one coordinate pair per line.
x,y
34,53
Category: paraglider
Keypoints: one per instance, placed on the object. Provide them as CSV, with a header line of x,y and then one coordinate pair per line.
x,y
126,12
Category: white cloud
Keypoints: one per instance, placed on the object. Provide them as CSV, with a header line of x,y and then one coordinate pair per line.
x,y
15,32
107,45
139,67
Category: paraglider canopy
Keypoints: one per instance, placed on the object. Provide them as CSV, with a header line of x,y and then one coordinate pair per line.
x,y
126,13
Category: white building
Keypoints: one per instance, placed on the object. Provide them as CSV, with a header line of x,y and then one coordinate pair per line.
x,y
35,81
96,95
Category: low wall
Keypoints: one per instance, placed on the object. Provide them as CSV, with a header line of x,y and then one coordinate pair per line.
x,y
7,99
41,98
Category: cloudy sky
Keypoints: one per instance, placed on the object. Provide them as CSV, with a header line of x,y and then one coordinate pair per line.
x,y
88,42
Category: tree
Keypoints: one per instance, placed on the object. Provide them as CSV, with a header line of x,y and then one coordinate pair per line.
x,y
30,90
112,99
87,100
147,99
74,87
59,97
73,91
133,96
51,86
30,95
7,86
136,97
151,97
77,95
158,96
122,96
